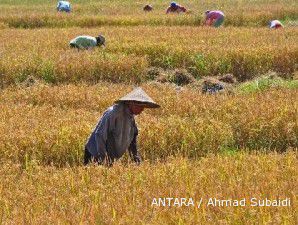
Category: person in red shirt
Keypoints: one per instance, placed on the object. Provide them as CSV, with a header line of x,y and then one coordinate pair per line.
x,y
174,7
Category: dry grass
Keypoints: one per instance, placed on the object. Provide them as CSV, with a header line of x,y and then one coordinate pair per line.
x,y
129,52
51,124
124,194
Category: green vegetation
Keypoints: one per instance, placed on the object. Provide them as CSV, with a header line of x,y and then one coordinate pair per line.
x,y
264,83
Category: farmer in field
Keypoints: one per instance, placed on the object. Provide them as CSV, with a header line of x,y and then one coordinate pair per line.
x,y
214,18
87,42
275,24
175,8
63,6
117,131
148,8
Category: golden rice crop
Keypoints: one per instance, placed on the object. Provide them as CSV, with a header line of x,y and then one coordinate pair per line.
x,y
123,194
211,146
129,52
51,124
34,14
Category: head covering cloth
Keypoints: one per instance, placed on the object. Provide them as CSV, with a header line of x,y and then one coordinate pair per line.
x,y
100,40
173,4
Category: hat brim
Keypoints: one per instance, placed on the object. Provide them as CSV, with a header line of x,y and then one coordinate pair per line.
x,y
141,103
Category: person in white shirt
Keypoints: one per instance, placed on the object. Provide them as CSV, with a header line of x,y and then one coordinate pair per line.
x,y
63,6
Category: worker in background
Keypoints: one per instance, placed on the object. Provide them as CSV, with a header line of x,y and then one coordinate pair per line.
x,y
175,8
148,8
87,42
275,24
214,18
63,6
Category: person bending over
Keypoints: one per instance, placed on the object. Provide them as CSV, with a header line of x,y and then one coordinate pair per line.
x,y
116,131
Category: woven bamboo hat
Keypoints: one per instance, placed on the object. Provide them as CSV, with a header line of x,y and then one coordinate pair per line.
x,y
139,97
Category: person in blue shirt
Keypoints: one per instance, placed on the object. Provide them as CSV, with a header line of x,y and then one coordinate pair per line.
x,y
63,6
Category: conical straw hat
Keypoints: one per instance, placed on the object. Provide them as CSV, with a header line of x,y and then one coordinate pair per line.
x,y
139,97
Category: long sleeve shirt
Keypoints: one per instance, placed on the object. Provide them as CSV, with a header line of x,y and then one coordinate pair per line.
x,y
115,133
214,15
176,9
275,24
84,42
63,6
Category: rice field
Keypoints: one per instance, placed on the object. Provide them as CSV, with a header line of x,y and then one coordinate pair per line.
x,y
130,52
51,124
237,145
124,194
94,13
